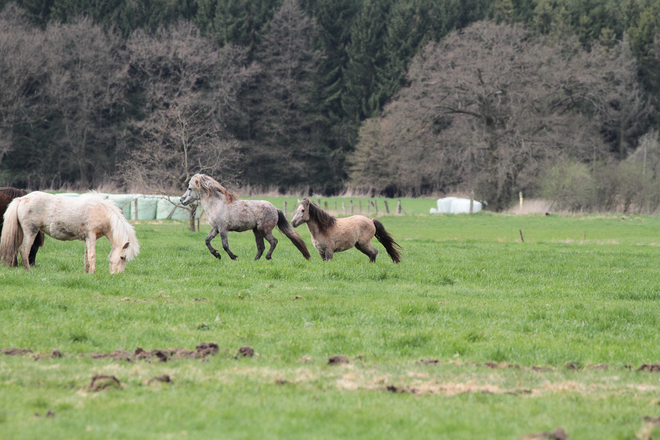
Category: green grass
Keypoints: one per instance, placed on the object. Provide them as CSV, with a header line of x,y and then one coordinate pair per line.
x,y
580,289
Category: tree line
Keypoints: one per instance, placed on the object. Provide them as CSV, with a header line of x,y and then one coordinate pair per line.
x,y
394,96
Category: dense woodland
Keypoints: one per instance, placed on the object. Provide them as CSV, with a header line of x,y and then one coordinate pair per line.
x,y
556,98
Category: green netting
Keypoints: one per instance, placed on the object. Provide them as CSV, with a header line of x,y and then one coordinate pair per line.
x,y
171,205
146,207
123,202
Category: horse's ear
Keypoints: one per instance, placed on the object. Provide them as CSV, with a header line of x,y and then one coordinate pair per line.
x,y
299,202
126,245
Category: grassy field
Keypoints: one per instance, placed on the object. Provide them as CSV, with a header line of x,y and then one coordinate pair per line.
x,y
474,335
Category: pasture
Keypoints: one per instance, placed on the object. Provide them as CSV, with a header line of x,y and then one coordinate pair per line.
x,y
473,335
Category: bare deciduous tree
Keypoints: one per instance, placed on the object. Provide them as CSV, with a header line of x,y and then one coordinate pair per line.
x,y
86,88
489,106
22,70
190,87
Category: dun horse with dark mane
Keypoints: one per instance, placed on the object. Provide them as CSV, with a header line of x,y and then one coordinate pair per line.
x,y
226,212
6,196
330,235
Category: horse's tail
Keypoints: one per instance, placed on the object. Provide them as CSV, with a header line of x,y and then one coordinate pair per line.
x,y
287,230
391,246
12,235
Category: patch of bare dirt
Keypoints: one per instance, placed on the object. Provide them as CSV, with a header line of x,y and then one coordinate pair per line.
x,y
48,414
336,360
557,434
654,368
246,351
538,368
54,354
165,378
428,362
117,355
15,351
202,350
396,389
601,367
103,382
654,420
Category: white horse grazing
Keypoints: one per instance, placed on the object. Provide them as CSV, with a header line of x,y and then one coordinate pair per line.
x,y
85,218
226,213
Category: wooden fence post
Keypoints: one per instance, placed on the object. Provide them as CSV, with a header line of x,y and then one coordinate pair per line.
x,y
351,207
326,205
135,208
398,207
360,203
376,206
387,208
285,208
343,208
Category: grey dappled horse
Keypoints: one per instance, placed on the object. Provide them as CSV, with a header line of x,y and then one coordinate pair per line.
x,y
330,234
226,212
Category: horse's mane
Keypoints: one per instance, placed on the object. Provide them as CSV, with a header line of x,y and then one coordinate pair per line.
x,y
209,185
12,193
323,220
122,231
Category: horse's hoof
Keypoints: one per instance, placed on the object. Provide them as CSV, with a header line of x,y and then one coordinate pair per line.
x,y
233,257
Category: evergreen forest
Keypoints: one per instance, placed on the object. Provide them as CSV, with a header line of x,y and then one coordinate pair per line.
x,y
555,98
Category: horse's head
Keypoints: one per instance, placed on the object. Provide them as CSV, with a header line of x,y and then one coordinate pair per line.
x,y
118,259
193,191
302,213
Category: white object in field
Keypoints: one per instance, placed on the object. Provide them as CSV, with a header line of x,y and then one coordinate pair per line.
x,y
454,205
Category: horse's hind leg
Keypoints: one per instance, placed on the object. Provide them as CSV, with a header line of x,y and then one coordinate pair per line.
x,y
260,244
38,242
211,236
28,239
272,240
225,245
368,250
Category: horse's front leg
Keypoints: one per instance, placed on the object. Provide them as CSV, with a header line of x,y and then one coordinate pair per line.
x,y
225,244
90,255
328,254
211,236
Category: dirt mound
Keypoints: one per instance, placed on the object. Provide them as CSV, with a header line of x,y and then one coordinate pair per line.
x,y
654,368
102,382
15,351
335,360
165,378
117,355
557,434
202,350
246,351
48,414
